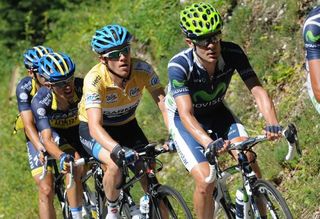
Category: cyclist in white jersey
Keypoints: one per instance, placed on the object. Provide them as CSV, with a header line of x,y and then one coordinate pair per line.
x,y
311,37
198,81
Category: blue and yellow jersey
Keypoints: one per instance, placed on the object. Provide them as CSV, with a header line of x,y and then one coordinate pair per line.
x,y
188,77
47,113
118,105
311,34
25,90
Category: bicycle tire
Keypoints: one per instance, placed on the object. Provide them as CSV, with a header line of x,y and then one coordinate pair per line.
x,y
177,209
275,203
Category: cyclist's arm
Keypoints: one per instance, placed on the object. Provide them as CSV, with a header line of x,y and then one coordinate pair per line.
x,y
314,68
158,96
51,147
185,109
30,129
264,102
97,131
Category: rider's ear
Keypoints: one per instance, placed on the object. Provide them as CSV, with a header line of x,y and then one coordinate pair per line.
x,y
102,59
189,42
47,84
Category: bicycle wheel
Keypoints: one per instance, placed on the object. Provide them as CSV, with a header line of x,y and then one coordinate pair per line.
x,y
271,199
171,202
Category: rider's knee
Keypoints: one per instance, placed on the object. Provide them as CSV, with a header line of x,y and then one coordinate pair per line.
x,y
45,191
203,187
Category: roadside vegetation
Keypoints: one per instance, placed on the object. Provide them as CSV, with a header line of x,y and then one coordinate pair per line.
x,y
268,30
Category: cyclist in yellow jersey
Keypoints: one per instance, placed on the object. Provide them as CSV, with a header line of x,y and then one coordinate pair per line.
x,y
25,90
111,93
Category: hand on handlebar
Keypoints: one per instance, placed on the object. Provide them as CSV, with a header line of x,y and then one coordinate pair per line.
x,y
170,146
273,132
121,156
215,148
65,159
42,154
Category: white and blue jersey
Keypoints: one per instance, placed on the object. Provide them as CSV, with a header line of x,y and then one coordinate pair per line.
x,y
188,77
311,37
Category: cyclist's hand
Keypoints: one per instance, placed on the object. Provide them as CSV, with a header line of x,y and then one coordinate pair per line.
x,y
215,148
118,155
273,132
131,156
170,146
42,151
64,162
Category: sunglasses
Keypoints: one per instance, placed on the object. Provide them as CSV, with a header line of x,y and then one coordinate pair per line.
x,y
115,54
204,42
64,83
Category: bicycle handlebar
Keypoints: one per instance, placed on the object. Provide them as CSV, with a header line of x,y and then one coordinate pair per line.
x,y
290,134
79,162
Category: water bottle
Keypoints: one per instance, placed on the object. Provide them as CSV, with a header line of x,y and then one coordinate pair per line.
x,y
239,204
144,206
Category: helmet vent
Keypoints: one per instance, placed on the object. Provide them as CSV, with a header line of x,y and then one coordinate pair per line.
x,y
205,17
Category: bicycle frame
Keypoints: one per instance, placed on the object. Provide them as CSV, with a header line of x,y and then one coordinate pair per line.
x,y
221,194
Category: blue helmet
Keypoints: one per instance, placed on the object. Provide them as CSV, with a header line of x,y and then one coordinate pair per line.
x,y
32,55
109,37
56,67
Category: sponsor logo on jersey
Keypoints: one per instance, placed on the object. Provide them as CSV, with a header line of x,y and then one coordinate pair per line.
x,y
205,96
155,80
208,104
96,80
111,98
134,91
27,86
93,98
177,84
311,37
41,111
119,111
23,96
64,119
46,100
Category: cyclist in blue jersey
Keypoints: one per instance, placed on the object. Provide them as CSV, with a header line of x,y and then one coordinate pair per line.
x,y
55,108
311,37
25,90
198,80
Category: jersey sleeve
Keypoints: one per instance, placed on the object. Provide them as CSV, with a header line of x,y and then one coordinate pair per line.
x,y
311,34
242,64
23,94
150,78
178,69
91,90
41,106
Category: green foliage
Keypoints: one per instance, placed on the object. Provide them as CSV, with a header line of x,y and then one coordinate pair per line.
x,y
269,32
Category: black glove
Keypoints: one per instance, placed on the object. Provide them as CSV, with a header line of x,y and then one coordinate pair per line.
x,y
118,155
212,149
273,129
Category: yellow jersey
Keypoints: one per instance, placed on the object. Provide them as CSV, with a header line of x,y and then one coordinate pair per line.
x,y
118,105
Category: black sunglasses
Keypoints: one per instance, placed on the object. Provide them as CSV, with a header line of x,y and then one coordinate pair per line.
x,y
204,42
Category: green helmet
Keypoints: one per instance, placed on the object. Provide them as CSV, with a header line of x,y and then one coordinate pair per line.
x,y
200,19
